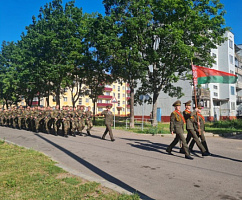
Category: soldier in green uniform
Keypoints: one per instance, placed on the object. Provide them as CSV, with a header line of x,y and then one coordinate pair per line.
x,y
38,118
67,121
48,119
56,119
81,119
27,118
177,126
199,126
89,120
15,117
74,120
21,117
108,123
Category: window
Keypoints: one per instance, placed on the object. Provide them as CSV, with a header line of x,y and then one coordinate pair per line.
x,y
114,94
80,101
123,88
118,88
214,55
123,102
118,95
65,99
232,105
99,100
123,95
215,94
87,100
113,86
215,87
65,90
231,59
118,103
107,101
232,90
231,71
231,45
100,109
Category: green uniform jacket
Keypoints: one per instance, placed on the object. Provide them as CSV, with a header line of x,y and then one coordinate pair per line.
x,y
176,122
108,117
201,120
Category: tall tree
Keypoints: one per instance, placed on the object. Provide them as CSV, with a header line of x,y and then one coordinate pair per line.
x,y
180,31
9,67
128,20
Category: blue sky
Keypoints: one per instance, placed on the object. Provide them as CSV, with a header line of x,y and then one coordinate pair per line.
x,y
16,14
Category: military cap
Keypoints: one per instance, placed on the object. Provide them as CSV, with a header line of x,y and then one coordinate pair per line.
x,y
108,106
199,106
177,103
82,106
188,103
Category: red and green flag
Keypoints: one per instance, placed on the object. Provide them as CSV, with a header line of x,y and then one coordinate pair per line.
x,y
202,75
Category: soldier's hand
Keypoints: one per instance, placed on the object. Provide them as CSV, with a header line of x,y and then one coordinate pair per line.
x,y
172,133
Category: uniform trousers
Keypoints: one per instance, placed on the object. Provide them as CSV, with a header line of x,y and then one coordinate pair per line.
x,y
108,129
179,136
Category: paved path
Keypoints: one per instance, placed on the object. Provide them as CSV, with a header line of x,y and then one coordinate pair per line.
x,y
139,163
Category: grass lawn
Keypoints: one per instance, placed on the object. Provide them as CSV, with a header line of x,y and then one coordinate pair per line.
x,y
28,174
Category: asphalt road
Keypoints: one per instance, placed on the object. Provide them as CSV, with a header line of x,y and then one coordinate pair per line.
x,y
139,163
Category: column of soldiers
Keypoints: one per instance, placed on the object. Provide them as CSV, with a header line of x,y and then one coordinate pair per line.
x,y
194,126
48,120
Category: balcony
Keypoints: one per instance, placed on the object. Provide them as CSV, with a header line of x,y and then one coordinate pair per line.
x,y
203,93
239,100
104,97
238,70
108,89
104,104
239,86
128,98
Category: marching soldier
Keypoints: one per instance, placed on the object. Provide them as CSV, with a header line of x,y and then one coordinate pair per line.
x,y
177,126
108,122
89,120
199,126
67,121
81,117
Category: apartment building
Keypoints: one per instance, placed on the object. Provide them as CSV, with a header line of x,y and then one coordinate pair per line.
x,y
119,92
218,100
238,72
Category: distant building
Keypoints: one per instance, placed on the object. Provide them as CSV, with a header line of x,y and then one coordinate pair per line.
x,y
120,91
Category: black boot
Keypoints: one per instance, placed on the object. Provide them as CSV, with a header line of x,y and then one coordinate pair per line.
x,y
88,133
204,143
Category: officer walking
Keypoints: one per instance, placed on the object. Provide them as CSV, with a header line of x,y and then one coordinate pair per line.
x,y
199,126
108,123
177,126
89,120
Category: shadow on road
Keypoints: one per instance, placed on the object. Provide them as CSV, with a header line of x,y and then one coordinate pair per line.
x,y
98,171
151,146
161,148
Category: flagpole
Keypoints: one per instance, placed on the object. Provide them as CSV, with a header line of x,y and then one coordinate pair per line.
x,y
195,96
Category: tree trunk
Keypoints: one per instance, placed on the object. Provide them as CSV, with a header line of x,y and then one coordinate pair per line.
x,y
154,108
58,96
131,125
94,111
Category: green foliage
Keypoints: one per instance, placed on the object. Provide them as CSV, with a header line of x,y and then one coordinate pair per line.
x,y
229,124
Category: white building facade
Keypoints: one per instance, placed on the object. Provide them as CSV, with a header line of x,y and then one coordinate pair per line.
x,y
218,100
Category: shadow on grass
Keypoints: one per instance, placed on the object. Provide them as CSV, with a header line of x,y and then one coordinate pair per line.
x,y
98,171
